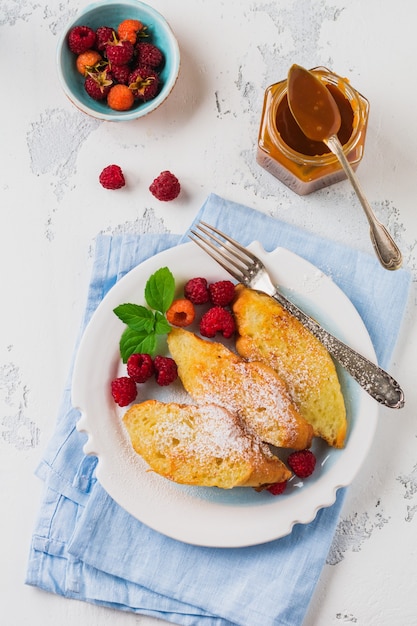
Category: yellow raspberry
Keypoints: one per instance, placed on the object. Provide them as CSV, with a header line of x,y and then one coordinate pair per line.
x,y
120,98
181,313
128,29
86,61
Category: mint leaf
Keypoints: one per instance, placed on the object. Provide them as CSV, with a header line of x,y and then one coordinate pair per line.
x,y
160,290
162,326
143,325
133,341
136,316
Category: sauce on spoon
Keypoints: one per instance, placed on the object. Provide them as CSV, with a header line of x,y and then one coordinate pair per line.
x,y
312,105
294,137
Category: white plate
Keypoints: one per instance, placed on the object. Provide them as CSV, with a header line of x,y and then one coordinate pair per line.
x,y
211,516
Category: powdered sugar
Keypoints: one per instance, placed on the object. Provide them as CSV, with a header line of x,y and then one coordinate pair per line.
x,y
255,394
204,432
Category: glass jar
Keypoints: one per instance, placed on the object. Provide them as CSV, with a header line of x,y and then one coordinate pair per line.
x,y
301,164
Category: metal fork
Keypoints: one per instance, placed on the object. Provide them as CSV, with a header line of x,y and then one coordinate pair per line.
x,y
248,269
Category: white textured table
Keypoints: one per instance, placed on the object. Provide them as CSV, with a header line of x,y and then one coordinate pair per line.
x,y
52,207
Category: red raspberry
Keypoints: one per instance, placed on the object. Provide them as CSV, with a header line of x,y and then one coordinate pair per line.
x,y
81,38
120,73
217,320
149,54
277,488
165,187
222,292
112,177
104,35
144,83
119,52
196,290
140,367
98,85
123,390
302,463
166,370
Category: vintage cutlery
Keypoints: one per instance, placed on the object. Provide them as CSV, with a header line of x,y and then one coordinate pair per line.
x,y
246,268
316,113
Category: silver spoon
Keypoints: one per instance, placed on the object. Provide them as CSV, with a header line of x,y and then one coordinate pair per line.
x,y
317,114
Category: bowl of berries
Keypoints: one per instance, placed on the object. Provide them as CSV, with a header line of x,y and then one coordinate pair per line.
x,y
118,61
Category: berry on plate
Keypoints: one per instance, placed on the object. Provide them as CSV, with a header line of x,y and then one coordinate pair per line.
x,y
120,98
112,177
124,390
196,290
81,38
165,187
181,313
302,463
140,367
217,320
166,370
222,292
277,488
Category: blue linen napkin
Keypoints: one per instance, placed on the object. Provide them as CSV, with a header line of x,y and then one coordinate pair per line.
x,y
85,546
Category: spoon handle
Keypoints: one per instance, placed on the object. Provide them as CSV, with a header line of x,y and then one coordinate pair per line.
x,y
385,247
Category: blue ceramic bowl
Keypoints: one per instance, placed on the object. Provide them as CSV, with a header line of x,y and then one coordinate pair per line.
x,y
109,13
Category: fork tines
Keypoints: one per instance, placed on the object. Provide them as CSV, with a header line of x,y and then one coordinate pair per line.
x,y
228,253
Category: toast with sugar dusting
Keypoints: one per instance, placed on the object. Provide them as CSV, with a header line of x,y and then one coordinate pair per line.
x,y
212,374
201,445
268,333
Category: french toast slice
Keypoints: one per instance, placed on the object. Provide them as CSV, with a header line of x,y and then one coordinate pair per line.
x,y
211,373
268,333
201,445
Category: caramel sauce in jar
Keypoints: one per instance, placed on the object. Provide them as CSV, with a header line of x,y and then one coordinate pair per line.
x,y
298,162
